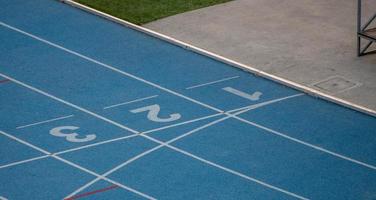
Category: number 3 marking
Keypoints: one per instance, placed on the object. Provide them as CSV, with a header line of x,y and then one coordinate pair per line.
x,y
71,137
153,112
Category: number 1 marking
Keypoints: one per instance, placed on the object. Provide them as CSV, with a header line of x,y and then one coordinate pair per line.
x,y
71,137
153,112
253,97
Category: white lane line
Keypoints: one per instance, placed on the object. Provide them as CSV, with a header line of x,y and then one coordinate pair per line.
x,y
128,102
25,143
23,161
108,66
212,82
69,104
321,149
162,144
75,165
265,103
46,121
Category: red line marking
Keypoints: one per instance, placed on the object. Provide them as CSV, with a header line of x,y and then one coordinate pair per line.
x,y
4,80
92,192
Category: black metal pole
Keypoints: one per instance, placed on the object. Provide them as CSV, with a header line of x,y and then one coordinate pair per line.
x,y
359,21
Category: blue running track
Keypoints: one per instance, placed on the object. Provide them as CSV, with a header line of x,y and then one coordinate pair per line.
x,y
90,109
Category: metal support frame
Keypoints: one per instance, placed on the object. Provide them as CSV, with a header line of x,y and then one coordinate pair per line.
x,y
365,33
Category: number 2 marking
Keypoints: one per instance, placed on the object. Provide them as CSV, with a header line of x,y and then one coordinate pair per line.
x,y
71,137
153,111
253,97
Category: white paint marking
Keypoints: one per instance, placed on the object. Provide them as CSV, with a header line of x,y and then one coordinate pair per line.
x,y
23,161
108,66
76,166
46,121
212,82
153,112
129,102
3,198
253,97
73,136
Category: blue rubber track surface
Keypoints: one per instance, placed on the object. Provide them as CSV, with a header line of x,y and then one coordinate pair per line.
x,y
90,109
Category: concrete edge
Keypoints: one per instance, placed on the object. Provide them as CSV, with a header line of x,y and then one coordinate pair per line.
x,y
305,89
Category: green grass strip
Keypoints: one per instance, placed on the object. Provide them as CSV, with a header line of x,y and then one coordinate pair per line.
x,y
144,11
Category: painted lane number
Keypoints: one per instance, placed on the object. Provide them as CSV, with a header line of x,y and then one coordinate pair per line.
x,y
253,97
153,112
72,136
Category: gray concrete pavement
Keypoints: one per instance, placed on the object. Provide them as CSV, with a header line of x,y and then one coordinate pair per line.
x,y
311,42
